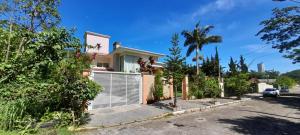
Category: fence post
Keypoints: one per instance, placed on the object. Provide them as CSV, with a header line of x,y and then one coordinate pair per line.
x,y
185,88
110,90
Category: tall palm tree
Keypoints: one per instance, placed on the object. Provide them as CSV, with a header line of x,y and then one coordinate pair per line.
x,y
197,38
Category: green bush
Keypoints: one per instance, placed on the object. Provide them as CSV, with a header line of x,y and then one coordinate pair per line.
x,y
212,88
43,80
202,86
158,87
239,84
285,82
197,84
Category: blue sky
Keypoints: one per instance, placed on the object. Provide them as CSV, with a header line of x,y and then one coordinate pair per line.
x,y
149,25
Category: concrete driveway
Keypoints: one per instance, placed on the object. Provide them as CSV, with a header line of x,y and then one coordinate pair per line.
x,y
261,116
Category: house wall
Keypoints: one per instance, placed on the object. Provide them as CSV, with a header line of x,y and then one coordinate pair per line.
x,y
93,40
148,89
263,86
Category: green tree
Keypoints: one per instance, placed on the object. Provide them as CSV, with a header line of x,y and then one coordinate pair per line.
x,y
243,66
174,65
238,83
197,38
285,82
282,31
158,86
233,69
295,74
31,15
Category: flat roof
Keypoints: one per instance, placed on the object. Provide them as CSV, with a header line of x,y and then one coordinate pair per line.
x,y
97,34
122,49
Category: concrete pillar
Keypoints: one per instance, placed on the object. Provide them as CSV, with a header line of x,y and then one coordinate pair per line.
x,y
221,85
185,88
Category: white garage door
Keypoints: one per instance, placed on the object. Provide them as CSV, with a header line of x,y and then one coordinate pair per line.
x,y
118,89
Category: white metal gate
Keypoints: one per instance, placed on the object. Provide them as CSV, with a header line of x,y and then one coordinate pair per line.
x,y
118,89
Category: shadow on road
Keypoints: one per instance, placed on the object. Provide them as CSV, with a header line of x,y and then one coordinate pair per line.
x,y
264,113
263,125
290,100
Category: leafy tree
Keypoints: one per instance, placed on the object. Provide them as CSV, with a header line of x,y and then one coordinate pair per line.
x,y
285,82
212,88
211,67
243,66
174,65
295,74
282,31
158,86
197,38
233,67
238,83
43,79
31,15
197,86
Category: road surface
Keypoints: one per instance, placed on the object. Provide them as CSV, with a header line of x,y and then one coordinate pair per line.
x,y
261,116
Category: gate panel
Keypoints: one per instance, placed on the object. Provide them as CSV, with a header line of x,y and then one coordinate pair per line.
x,y
118,89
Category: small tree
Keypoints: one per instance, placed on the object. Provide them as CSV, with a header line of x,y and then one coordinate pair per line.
x,y
174,65
233,67
243,66
284,81
158,87
238,83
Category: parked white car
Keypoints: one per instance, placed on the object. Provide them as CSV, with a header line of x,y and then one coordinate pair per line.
x,y
271,92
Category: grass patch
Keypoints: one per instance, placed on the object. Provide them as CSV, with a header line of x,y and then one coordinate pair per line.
x,y
2,132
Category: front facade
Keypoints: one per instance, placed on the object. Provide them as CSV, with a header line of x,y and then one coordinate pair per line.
x,y
121,59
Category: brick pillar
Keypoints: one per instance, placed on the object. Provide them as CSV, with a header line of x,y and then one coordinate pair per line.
x,y
185,88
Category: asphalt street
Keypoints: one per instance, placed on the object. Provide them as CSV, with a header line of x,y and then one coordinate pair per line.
x,y
260,116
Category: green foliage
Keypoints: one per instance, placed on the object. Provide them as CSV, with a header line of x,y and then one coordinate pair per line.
x,y
295,74
212,88
202,86
238,83
243,66
211,67
282,31
174,70
174,62
158,87
61,119
233,67
32,15
285,82
197,38
269,74
43,78
197,85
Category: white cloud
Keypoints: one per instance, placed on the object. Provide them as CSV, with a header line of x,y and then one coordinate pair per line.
x,y
258,48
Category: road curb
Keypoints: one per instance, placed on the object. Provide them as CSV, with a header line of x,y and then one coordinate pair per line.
x,y
199,109
160,116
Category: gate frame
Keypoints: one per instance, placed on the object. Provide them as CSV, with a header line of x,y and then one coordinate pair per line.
x,y
91,77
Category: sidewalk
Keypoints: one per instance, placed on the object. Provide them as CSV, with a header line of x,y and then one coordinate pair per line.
x,y
123,114
115,116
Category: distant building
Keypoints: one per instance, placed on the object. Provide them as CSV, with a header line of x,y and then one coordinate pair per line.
x,y
261,67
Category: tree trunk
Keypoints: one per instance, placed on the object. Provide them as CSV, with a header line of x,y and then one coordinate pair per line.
x,y
175,95
8,45
197,59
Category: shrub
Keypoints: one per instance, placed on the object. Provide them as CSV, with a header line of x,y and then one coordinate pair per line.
x,y
43,80
284,81
158,87
212,88
202,86
197,85
239,84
